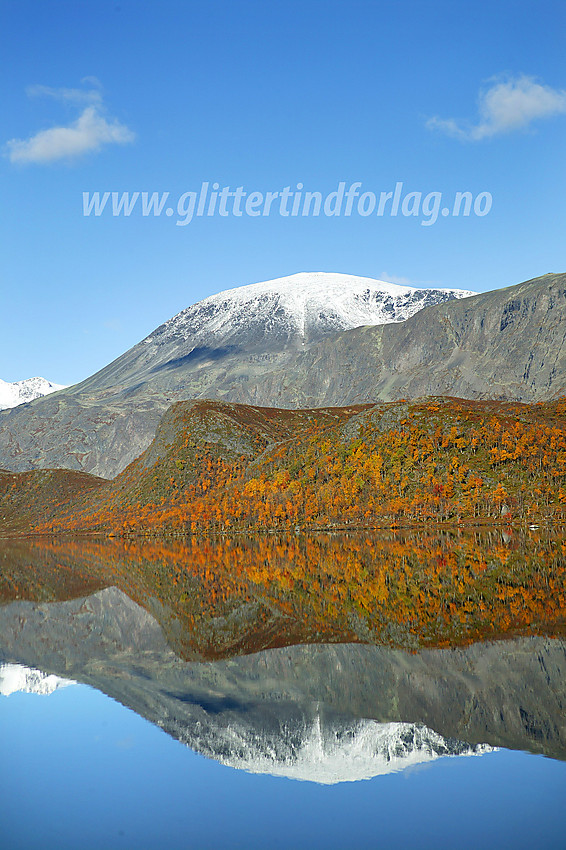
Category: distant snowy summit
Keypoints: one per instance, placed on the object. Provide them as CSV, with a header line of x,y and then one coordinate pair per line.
x,y
20,392
308,305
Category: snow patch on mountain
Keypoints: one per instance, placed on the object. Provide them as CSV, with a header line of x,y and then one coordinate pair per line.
x,y
308,305
20,392
16,678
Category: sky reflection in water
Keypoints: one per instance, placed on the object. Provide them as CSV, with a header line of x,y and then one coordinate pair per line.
x,y
80,770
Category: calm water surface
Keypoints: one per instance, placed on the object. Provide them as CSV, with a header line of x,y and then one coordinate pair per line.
x,y
222,696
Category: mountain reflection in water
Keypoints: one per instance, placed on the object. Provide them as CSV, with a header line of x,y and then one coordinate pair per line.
x,y
349,685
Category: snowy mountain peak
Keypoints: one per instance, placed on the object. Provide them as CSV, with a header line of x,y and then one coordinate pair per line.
x,y
314,285
16,678
308,305
307,287
20,392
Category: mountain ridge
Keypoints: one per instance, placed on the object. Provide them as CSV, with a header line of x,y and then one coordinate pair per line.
x,y
505,344
18,678
325,750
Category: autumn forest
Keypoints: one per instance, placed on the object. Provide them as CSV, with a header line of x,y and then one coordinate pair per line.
x,y
226,468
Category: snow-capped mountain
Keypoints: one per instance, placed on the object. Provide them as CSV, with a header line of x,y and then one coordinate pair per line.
x,y
18,678
329,752
20,392
309,305
258,326
242,345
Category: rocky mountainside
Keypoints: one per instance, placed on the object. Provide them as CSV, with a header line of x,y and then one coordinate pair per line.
x,y
276,346
20,392
328,713
507,344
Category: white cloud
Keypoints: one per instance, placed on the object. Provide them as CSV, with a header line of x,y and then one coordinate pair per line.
x,y
392,278
92,81
70,95
507,105
91,130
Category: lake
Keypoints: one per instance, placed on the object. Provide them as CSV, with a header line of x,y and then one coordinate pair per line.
x,y
336,691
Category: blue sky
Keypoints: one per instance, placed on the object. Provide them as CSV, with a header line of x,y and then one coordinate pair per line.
x,y
440,96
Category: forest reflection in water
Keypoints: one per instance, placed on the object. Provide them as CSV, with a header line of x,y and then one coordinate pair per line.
x,y
226,596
